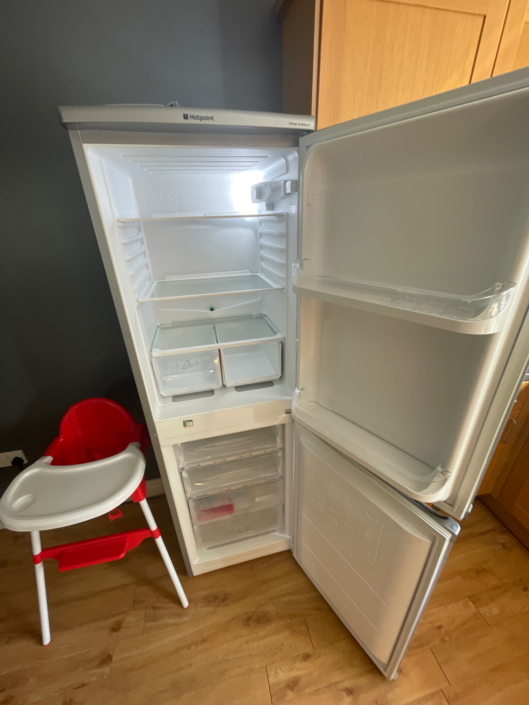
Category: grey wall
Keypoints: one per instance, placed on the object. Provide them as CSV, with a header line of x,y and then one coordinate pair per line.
x,y
60,340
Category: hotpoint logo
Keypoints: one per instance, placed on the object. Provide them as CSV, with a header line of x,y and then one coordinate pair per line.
x,y
200,118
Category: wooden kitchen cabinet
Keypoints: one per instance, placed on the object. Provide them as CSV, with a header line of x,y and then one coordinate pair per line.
x,y
513,52
346,58
505,488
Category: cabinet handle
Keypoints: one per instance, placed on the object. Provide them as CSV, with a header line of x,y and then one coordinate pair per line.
x,y
508,430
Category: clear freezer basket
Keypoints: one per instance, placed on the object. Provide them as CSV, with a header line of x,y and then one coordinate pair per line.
x,y
239,526
212,479
233,446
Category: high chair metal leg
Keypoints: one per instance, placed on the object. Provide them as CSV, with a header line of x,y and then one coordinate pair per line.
x,y
163,551
41,587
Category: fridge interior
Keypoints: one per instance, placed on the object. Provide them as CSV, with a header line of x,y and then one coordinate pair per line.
x,y
205,276
204,271
413,276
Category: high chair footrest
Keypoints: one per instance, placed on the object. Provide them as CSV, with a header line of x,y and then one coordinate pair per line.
x,y
104,549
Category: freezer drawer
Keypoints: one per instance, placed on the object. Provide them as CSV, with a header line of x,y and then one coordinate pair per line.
x,y
209,480
241,500
233,446
238,526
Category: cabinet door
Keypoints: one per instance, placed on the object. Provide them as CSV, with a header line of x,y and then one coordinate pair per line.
x,y
376,54
513,51
496,471
515,495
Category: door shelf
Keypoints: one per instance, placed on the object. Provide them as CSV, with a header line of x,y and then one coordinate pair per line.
x,y
197,216
476,314
238,283
250,352
404,472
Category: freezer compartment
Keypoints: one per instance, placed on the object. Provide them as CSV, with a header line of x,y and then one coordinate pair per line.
x,y
191,371
234,446
209,480
239,526
241,500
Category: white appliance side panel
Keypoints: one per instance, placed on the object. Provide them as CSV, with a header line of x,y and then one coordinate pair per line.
x,y
373,554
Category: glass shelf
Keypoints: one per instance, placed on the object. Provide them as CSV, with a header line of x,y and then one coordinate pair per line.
x,y
208,286
197,216
477,314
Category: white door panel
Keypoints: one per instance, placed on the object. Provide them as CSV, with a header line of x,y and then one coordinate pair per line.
x,y
413,278
372,553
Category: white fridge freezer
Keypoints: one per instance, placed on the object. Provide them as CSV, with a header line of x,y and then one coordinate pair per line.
x,y
325,371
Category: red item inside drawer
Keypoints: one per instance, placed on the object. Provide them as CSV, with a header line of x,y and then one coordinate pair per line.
x,y
215,512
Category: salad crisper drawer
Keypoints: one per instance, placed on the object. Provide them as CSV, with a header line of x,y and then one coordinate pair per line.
x,y
212,479
190,371
185,374
259,361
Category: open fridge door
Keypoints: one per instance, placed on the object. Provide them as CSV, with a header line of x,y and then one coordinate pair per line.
x,y
412,280
373,554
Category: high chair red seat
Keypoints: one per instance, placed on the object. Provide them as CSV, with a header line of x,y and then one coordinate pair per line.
x,y
95,463
94,429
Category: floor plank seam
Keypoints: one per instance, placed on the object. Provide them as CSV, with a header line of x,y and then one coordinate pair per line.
x,y
445,697
442,669
269,686
308,631
476,594
493,571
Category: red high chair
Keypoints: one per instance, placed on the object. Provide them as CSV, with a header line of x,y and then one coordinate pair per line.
x,y
95,463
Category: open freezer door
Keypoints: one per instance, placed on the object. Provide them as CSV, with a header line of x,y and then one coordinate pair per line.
x,y
413,283
373,554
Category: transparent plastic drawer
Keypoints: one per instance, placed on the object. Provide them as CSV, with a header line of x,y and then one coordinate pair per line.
x,y
194,370
242,500
238,526
188,373
260,361
222,449
251,364
209,480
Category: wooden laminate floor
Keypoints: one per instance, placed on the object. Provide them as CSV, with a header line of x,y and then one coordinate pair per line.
x,y
256,633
